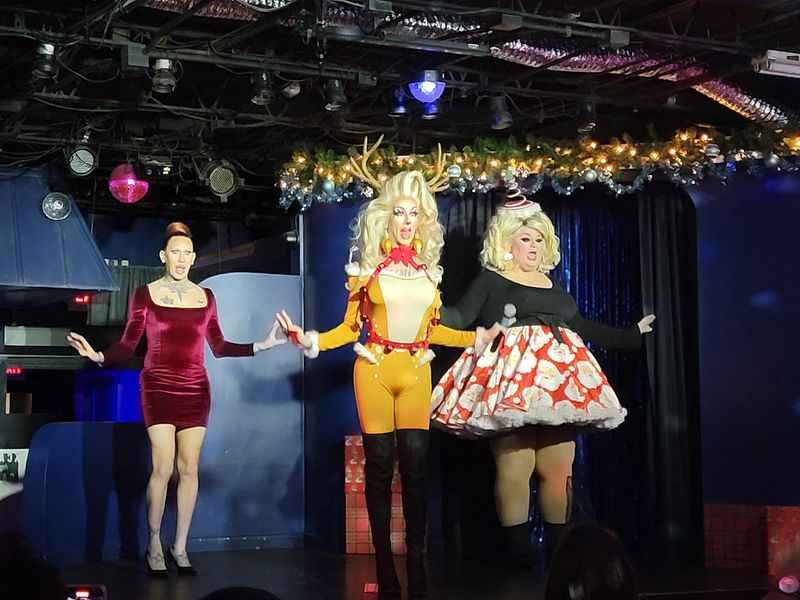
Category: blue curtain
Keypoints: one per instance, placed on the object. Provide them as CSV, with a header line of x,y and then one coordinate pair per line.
x,y
600,268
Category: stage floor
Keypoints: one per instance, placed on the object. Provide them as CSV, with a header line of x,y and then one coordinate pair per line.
x,y
306,575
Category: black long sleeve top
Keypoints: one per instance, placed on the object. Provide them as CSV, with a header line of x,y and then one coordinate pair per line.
x,y
489,292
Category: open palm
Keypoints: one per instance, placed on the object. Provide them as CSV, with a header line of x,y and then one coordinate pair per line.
x,y
84,348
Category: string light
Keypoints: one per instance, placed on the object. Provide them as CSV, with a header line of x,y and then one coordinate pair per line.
x,y
686,158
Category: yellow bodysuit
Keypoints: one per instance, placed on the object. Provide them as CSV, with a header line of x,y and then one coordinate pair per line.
x,y
400,306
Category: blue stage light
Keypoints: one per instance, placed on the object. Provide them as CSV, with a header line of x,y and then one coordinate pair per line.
x,y
431,110
428,87
399,108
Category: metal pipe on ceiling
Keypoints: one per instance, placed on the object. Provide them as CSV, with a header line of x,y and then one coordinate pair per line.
x,y
559,57
729,95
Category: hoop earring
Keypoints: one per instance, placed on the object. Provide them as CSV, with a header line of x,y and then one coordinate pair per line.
x,y
386,245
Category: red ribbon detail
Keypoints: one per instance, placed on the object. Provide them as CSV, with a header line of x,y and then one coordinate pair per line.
x,y
404,255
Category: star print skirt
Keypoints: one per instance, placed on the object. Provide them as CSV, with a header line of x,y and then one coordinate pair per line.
x,y
530,379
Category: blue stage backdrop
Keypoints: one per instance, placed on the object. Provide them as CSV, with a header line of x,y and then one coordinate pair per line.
x,y
85,482
749,297
330,405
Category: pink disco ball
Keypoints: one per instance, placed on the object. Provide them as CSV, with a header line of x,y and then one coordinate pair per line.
x,y
125,186
789,584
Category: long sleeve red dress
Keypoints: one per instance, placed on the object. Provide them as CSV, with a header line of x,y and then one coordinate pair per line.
x,y
174,382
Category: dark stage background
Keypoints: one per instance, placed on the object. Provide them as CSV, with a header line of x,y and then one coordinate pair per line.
x,y
611,247
749,320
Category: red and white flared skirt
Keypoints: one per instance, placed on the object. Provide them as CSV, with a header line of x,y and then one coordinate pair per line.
x,y
531,379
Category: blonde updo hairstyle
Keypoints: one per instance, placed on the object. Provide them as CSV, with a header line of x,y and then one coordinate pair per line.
x,y
502,227
371,225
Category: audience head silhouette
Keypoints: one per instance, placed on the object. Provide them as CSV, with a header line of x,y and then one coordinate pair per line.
x,y
590,563
23,575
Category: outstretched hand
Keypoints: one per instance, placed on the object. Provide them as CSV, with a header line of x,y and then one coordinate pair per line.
x,y
84,348
484,337
298,337
275,337
646,324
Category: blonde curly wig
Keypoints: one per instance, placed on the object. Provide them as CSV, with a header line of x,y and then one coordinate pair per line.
x,y
370,226
501,229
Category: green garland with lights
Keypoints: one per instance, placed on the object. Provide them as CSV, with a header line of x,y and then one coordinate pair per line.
x,y
691,154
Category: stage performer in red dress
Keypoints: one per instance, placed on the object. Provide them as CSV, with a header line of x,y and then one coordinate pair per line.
x,y
535,390
176,316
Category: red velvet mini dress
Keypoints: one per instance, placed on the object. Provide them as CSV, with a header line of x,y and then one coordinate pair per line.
x,y
174,382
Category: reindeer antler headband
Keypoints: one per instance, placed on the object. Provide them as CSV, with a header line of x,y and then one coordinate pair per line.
x,y
360,167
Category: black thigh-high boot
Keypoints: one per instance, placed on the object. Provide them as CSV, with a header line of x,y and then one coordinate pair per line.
x,y
520,551
552,536
378,471
412,445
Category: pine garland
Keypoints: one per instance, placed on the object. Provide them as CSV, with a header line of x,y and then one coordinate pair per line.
x,y
692,154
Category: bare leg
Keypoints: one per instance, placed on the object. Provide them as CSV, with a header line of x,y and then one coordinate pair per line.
x,y
162,446
554,456
190,441
515,458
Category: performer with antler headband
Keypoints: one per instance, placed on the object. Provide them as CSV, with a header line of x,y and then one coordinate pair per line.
x,y
393,293
530,391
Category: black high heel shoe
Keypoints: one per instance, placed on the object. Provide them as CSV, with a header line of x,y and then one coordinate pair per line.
x,y
158,573
182,570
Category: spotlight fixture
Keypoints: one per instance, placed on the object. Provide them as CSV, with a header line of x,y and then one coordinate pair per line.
x,y
431,110
501,117
81,160
291,89
775,62
155,165
262,88
587,117
221,178
428,87
398,108
164,79
334,95
56,206
125,186
44,66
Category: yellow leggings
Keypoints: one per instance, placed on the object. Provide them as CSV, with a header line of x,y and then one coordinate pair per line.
x,y
393,394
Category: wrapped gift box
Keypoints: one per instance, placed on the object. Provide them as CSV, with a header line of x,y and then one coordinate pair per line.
x,y
750,537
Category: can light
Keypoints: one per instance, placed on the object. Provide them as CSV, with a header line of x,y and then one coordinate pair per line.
x,y
428,87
